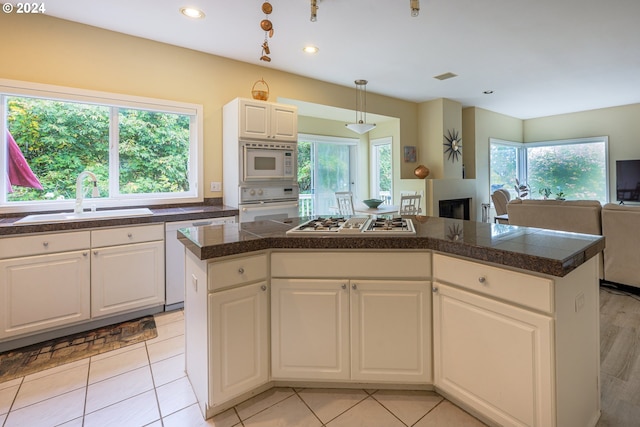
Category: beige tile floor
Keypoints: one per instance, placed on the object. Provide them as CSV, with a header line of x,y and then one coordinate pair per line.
x,y
145,385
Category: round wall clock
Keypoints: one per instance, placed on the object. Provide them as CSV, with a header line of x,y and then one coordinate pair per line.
x,y
453,146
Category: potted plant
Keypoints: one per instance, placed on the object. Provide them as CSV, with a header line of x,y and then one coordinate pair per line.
x,y
522,190
560,195
546,192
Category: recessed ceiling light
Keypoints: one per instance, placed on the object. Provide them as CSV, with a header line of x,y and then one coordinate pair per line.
x,y
192,12
310,49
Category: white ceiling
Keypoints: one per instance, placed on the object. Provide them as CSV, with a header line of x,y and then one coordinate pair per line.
x,y
540,57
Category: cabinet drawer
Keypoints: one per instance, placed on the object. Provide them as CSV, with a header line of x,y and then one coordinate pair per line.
x,y
125,235
351,264
13,247
520,288
224,274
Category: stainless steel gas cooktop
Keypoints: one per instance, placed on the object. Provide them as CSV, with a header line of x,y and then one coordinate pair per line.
x,y
360,226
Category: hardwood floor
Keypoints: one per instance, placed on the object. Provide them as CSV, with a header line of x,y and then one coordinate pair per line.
x,y
619,358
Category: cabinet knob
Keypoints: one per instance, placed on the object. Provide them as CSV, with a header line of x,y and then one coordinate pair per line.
x,y
263,287
45,244
130,235
344,286
435,289
241,270
354,286
95,252
85,253
482,279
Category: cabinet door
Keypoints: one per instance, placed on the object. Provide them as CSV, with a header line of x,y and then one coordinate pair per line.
x,y
309,329
238,337
391,331
494,356
127,277
284,123
254,120
42,292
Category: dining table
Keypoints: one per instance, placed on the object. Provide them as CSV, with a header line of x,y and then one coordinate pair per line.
x,y
383,209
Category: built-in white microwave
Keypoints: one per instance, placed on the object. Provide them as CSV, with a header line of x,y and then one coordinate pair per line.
x,y
264,161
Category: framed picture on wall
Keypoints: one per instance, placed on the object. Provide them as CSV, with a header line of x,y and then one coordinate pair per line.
x,y
410,154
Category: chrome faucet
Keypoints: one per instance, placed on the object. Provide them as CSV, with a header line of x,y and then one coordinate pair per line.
x,y
80,189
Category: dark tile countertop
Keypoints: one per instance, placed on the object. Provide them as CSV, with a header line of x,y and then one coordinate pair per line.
x,y
165,214
542,251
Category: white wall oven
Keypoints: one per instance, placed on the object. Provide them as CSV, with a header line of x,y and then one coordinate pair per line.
x,y
265,202
266,162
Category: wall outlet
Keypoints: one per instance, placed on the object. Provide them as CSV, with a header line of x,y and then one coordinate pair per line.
x,y
216,186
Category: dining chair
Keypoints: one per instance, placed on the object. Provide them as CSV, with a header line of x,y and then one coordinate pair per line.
x,y
345,202
410,204
500,199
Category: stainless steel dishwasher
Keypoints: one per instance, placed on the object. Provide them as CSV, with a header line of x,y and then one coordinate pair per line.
x,y
175,257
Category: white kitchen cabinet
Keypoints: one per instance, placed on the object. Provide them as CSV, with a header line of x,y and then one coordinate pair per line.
x,y
267,121
331,320
365,330
226,328
239,338
495,355
44,292
127,269
390,331
46,283
310,329
519,349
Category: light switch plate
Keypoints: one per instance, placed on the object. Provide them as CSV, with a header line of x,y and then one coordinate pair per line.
x,y
216,186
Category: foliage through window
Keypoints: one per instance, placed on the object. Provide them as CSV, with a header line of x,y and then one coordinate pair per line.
x,y
570,169
136,152
381,173
325,165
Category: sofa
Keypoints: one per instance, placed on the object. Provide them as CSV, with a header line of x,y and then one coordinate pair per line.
x,y
578,216
621,229
619,224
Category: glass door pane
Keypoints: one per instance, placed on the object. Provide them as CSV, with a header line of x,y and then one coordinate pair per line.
x,y
331,173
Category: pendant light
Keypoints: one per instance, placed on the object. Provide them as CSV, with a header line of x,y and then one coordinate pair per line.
x,y
361,126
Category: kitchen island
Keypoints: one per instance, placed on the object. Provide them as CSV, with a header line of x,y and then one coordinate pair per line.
x,y
501,320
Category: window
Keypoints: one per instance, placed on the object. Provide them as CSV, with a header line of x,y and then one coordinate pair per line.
x,y
325,165
381,173
142,151
569,169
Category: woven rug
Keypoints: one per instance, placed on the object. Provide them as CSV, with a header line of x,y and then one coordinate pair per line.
x,y
37,357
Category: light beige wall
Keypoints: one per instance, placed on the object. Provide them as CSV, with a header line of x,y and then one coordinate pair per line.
x,y
479,126
52,51
430,127
621,124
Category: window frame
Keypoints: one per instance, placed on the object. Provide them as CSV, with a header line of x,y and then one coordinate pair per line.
x,y
114,101
373,164
522,165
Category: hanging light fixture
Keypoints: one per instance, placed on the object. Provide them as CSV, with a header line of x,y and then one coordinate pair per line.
x,y
314,10
415,7
361,126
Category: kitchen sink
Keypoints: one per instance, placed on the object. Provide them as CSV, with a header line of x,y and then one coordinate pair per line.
x,y
84,216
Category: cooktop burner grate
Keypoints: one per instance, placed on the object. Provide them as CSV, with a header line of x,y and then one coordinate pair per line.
x,y
333,226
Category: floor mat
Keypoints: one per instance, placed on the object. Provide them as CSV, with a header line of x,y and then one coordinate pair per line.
x,y
27,360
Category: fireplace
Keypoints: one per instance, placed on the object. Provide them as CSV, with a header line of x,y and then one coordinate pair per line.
x,y
447,190
455,208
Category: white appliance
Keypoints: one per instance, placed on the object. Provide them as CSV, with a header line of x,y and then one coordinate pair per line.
x,y
175,258
267,201
270,210
266,162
